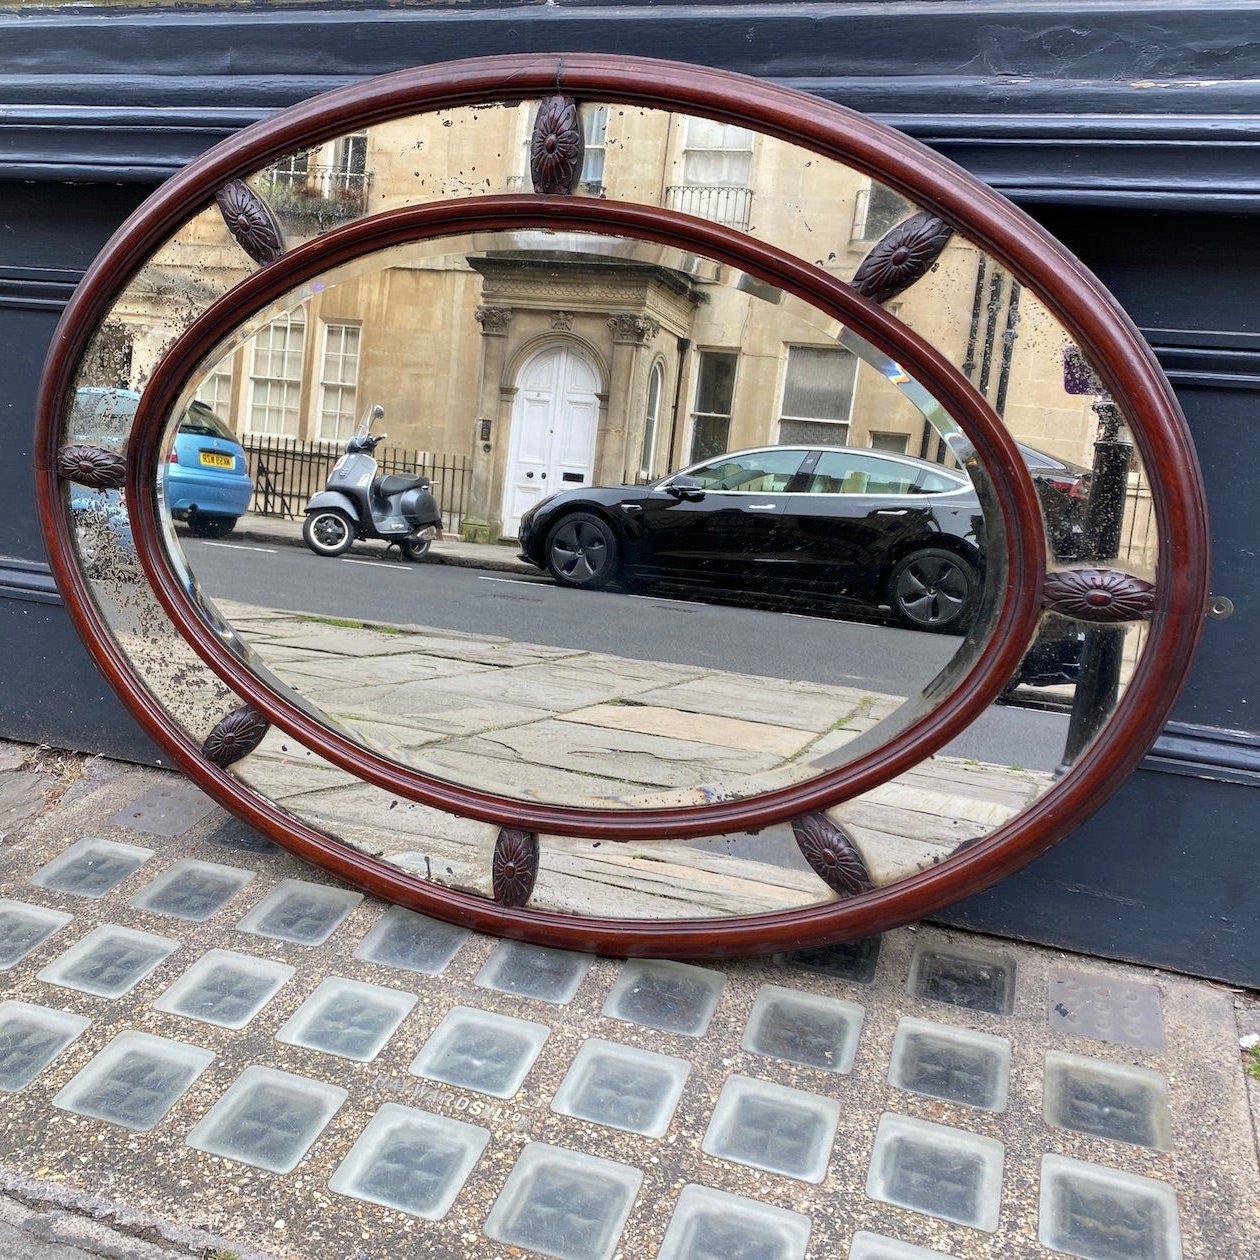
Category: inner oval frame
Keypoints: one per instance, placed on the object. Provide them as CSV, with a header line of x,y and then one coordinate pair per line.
x,y
1087,313
1021,523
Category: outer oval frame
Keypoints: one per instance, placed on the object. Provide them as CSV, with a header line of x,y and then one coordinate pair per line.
x,y
1086,311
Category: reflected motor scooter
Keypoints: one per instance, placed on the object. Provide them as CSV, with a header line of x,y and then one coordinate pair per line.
x,y
357,503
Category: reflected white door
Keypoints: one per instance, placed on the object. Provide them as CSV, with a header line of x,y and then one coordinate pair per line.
x,y
554,422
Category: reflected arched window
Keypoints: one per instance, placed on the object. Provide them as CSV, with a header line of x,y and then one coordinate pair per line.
x,y
653,412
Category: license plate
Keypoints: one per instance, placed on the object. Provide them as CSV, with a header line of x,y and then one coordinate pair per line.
x,y
213,460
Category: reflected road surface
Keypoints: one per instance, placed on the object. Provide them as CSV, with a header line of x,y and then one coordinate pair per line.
x,y
640,626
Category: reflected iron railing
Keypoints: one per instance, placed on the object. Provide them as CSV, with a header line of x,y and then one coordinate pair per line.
x,y
728,204
286,472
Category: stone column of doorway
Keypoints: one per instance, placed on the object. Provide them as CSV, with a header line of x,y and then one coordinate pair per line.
x,y
494,403
631,334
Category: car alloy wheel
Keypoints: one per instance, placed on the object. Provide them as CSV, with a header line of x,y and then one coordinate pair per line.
x,y
933,589
582,551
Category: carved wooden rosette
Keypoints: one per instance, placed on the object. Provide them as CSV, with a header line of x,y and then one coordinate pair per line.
x,y
832,855
235,736
249,219
556,148
515,866
1100,595
905,254
92,466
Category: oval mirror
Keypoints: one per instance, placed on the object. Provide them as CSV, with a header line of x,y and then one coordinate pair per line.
x,y
621,504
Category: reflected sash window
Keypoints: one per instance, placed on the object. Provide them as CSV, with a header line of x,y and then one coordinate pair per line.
x,y
895,443
338,381
817,395
652,415
275,381
594,139
716,173
216,389
715,392
878,209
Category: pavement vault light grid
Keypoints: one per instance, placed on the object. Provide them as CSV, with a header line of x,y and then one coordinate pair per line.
x,y
415,1089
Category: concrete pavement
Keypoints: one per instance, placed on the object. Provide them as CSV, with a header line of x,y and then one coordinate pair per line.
x,y
213,1050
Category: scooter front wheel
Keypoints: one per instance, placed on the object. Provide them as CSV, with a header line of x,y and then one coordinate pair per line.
x,y
328,532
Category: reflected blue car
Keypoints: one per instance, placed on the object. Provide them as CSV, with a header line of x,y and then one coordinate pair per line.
x,y
206,480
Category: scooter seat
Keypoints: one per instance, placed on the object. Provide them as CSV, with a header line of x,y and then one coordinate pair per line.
x,y
392,484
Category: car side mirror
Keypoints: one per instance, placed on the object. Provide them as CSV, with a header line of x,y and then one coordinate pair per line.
x,y
684,487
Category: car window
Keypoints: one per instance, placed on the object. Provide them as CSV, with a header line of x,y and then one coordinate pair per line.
x,y
199,419
758,472
937,483
855,472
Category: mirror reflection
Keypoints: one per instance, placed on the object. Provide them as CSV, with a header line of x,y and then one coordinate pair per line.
x,y
792,559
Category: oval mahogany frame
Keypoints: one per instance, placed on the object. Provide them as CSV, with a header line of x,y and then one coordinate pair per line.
x,y
1086,311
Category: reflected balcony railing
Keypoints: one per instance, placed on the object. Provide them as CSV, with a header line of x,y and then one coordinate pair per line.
x,y
727,204
321,194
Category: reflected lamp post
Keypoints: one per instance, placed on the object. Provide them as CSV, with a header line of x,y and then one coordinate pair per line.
x,y
1098,684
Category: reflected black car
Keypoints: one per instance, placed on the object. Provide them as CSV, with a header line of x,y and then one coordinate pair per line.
x,y
847,527
1063,488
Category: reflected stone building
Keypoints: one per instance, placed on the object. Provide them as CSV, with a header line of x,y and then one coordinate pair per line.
x,y
556,359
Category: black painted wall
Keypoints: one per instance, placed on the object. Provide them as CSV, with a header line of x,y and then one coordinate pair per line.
x,y
1131,130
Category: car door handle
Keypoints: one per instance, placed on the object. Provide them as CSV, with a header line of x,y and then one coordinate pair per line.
x,y
892,512
762,507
